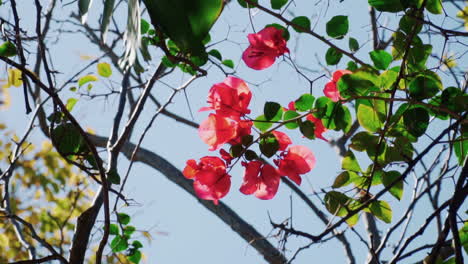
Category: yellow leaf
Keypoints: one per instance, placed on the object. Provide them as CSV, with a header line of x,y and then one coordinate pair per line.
x,y
14,78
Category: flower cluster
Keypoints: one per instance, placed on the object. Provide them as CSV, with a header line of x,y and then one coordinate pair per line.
x,y
265,47
229,124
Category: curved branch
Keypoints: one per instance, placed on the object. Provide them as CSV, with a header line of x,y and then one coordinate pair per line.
x,y
222,211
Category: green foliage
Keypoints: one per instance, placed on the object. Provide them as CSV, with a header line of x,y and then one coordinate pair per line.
x,y
353,45
186,22
381,210
381,59
8,49
333,56
301,23
290,115
104,69
307,129
350,162
269,145
338,27
272,111
386,5
389,178
304,103
262,123
278,4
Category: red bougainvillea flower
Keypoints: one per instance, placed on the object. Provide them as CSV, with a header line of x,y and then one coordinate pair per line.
x,y
283,139
265,47
217,130
319,128
230,98
331,90
297,160
211,181
226,156
260,179
244,127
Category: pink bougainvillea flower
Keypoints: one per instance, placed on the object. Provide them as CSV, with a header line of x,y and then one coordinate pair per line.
x,y
265,47
244,127
297,160
230,98
211,181
226,156
331,90
217,130
319,128
283,139
260,179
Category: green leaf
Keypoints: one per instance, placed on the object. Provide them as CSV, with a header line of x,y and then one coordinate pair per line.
x,y
345,178
352,66
408,24
371,114
307,129
244,4
363,140
286,34
236,150
288,115
137,244
381,59
304,103
342,117
250,155
434,6
278,4
336,203
463,233
416,121
119,243
123,218
104,69
387,79
113,177
113,229
302,22
381,210
424,86
67,139
129,230
262,123
83,7
71,103
269,145
135,257
167,62
272,111
353,45
186,22
215,53
460,147
337,27
392,6
144,26
333,56
350,162
228,63
354,85
86,79
388,178
8,49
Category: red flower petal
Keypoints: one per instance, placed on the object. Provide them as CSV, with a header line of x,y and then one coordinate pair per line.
x,y
298,160
283,139
260,179
337,74
230,98
264,47
319,128
217,130
190,169
332,92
